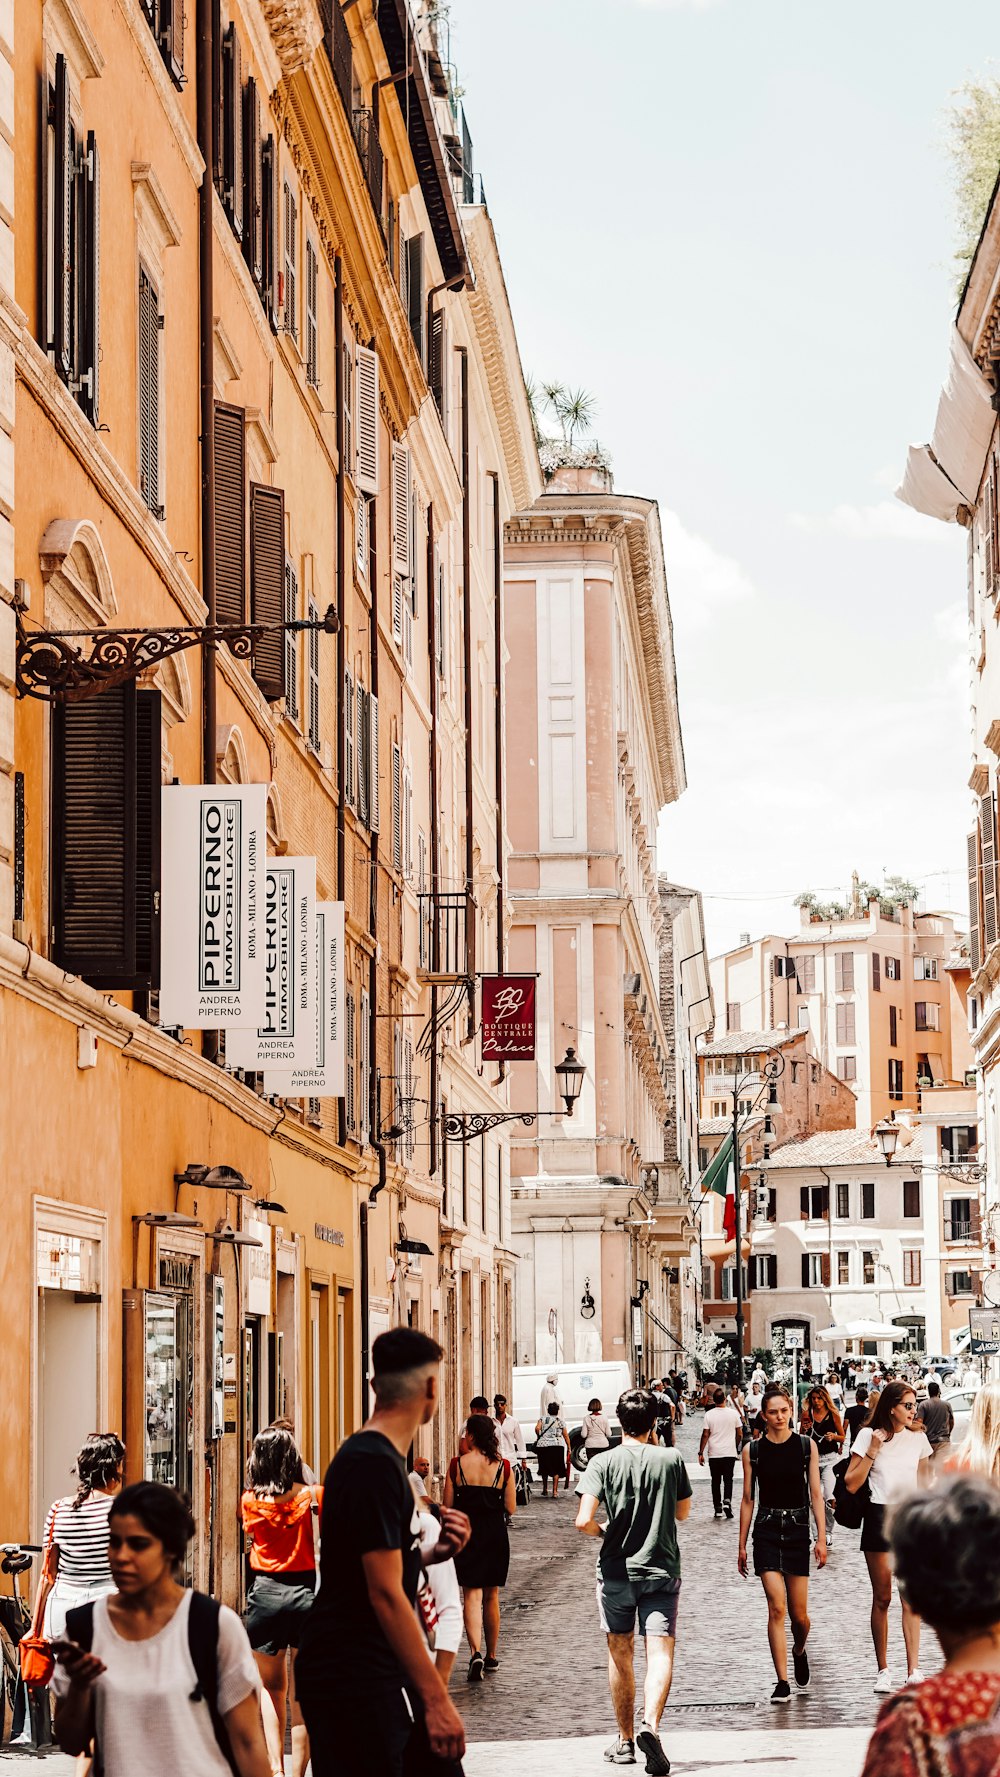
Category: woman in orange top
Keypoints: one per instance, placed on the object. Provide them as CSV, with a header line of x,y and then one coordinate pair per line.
x,y
281,1520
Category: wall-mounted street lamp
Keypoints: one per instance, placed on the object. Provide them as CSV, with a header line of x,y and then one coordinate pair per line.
x,y
466,1126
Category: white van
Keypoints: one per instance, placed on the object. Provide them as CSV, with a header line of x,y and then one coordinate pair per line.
x,y
575,1385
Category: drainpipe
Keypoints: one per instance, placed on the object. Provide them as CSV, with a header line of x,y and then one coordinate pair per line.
x,y
470,899
206,349
498,710
338,311
435,687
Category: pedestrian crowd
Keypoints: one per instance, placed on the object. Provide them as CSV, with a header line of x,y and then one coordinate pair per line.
x,y
360,1588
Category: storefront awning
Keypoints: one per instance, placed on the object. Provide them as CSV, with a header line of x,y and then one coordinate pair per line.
x,y
945,474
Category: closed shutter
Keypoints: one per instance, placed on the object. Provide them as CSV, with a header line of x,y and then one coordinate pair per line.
x,y
975,954
876,972
232,130
990,539
402,501
89,258
170,34
312,314
267,586
415,290
366,420
804,1202
365,1070
347,370
410,1139
64,181
824,1270
230,516
404,271
349,792
806,1279
312,680
253,221
149,394
373,780
350,1048
363,742
414,557
397,808
361,538
407,823
440,620
291,641
105,838
987,824
397,607
290,310
437,361
270,277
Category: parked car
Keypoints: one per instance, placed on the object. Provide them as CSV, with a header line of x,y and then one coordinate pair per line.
x,y
960,1401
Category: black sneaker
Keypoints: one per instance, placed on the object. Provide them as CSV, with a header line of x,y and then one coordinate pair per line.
x,y
491,1665
718,1517
620,1752
657,1762
476,1668
800,1662
729,1511
782,1692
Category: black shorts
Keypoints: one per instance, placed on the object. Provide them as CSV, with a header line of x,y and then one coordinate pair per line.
x,y
781,1543
277,1607
370,1733
873,1539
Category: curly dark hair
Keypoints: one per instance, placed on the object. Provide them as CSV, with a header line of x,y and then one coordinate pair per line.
x,y
275,1464
946,1545
98,1464
164,1512
482,1433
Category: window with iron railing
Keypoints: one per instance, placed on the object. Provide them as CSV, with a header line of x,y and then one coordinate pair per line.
x,y
444,945
962,1221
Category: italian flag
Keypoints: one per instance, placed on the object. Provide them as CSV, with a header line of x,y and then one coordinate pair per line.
x,y
720,1176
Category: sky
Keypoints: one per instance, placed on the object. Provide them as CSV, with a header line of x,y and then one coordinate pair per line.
x,y
731,221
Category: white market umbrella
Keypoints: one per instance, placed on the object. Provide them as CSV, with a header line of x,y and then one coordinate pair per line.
x,y
864,1329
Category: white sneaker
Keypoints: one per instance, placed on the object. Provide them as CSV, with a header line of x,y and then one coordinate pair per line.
x,y
883,1684
916,1676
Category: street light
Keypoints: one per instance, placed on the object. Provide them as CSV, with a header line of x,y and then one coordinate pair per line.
x,y
466,1126
887,1135
570,1074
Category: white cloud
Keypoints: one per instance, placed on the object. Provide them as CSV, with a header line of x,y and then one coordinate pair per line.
x,y
885,519
674,5
700,578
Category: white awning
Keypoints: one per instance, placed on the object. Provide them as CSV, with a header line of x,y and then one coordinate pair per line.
x,y
945,474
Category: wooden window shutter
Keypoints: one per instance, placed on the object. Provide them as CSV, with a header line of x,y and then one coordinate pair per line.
x,y
350,1088
397,808
804,1203
290,310
149,394
363,744
349,792
373,781
105,838
230,514
365,1069
415,290
404,271
402,502
253,221
361,535
89,259
291,640
987,827
397,608
312,314
414,556
348,377
876,972
990,539
366,420
407,823
312,681
232,130
170,34
824,1269
270,212
437,361
975,954
267,586
62,223
441,653
806,1280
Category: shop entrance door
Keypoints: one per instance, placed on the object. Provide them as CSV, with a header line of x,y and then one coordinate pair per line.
x,y
68,1405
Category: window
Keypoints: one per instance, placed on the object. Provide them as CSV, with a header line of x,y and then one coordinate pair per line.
x,y
876,973
150,324
893,1028
229,175
267,587
166,18
961,1218
437,364
366,420
347,377
928,1015
911,1197
732,1015
843,971
312,316
350,790
960,1142
803,1017
365,1067
805,973
868,1267
925,968
843,1200
815,1271
868,1201
291,641
729,1281
253,210
795,1072
896,1081
366,758
845,1022
350,1054
312,681
847,1067
73,250
764,1272
414,279
230,514
893,969
397,808
912,1269
289,304
707,1283
814,1203
106,838
959,1283
843,1267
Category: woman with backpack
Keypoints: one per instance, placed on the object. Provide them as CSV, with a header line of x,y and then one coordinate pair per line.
x,y
281,1520
782,1469
159,1677
894,1460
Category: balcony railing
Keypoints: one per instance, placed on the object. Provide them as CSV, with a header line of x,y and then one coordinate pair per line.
x,y
963,1230
370,150
444,946
337,42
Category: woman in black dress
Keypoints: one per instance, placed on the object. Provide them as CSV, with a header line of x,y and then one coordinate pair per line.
x,y
480,1483
782,1469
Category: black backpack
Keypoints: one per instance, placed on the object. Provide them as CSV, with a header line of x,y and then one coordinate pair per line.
x,y
203,1646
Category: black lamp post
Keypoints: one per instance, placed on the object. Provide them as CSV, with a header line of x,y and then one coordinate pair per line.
x,y
462,1126
765,1082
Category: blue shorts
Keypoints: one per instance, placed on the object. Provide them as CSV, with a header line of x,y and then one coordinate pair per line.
x,y
654,1601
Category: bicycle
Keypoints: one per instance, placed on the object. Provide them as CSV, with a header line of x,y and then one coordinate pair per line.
x,y
25,1715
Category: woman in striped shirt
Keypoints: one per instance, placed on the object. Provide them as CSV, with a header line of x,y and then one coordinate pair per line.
x,y
76,1532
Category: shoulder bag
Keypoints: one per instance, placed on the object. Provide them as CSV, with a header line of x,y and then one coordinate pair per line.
x,y
849,1508
34,1650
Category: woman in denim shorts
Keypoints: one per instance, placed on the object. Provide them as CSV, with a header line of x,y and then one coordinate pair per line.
x,y
782,1468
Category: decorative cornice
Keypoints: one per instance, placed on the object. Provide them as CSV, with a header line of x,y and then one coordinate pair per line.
x,y
498,352
296,31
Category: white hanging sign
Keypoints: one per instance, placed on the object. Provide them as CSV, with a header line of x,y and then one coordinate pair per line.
x,y
324,1077
286,1035
212,870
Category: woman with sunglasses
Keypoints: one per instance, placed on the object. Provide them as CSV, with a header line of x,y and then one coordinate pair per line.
x,y
895,1460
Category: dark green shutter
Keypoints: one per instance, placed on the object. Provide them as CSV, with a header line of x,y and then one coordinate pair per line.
x,y
415,289
230,514
267,586
62,223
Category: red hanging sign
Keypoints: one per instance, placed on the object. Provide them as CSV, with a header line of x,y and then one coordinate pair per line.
x,y
508,1018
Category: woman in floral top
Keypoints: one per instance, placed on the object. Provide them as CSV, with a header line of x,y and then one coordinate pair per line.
x,y
946,1546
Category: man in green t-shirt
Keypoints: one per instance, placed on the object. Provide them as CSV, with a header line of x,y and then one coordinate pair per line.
x,y
646,1493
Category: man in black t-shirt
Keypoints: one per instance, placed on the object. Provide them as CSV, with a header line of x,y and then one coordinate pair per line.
x,y
373,1700
855,1416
